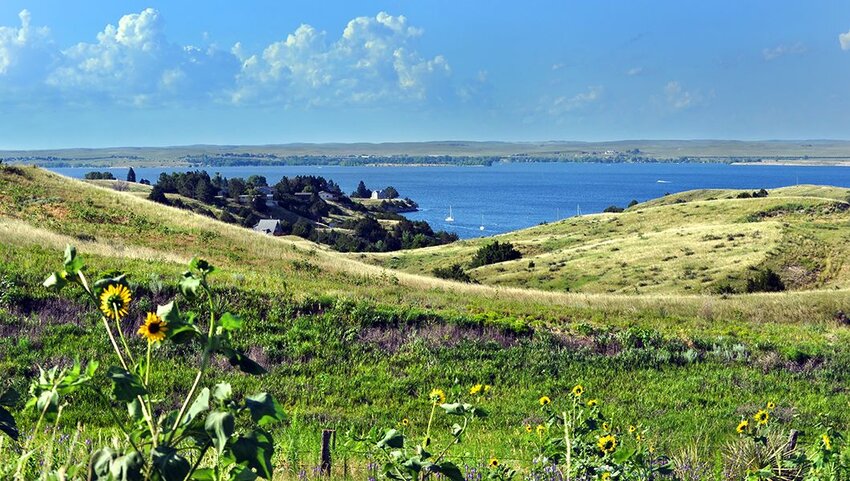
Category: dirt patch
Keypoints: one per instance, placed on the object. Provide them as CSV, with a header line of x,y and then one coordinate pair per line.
x,y
391,339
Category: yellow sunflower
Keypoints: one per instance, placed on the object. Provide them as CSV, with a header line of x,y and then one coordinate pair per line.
x,y
607,444
487,387
541,429
154,328
606,427
632,429
743,426
544,401
605,476
116,297
771,405
476,389
592,403
578,390
761,417
528,428
827,443
493,463
405,422
437,396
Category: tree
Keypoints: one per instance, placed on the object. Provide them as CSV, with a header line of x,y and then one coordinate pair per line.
x,y
131,175
257,181
633,203
493,253
391,193
105,175
613,208
157,194
361,192
236,187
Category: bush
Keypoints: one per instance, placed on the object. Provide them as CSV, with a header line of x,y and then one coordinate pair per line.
x,y
613,209
765,281
494,253
454,272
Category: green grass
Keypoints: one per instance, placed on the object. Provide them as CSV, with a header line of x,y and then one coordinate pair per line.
x,y
351,345
691,242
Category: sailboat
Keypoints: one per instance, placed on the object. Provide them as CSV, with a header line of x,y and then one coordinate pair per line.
x,y
450,218
481,227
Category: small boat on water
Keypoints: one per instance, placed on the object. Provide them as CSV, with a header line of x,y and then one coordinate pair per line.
x,y
481,227
450,218
662,181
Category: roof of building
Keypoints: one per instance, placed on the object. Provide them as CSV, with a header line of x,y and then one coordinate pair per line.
x,y
267,225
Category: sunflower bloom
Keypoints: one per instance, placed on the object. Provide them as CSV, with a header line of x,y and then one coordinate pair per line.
x,y
607,444
743,426
528,428
632,429
771,405
437,396
493,463
761,417
487,387
578,390
592,403
154,328
605,476
115,300
827,443
544,401
541,429
606,426
405,422
476,389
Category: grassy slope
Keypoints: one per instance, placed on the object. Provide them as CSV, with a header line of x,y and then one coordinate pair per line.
x,y
352,343
682,243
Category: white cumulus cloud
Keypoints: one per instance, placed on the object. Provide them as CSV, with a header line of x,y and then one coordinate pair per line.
x,y
24,49
844,40
374,60
564,104
135,63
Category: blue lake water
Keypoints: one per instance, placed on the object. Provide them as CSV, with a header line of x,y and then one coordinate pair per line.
x,y
507,197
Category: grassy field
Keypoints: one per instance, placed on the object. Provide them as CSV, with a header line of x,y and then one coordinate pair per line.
x,y
693,242
352,346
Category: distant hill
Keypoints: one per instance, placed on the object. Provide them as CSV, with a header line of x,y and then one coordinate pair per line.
x,y
704,241
806,152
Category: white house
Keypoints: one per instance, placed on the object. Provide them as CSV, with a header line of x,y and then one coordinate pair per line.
x,y
325,195
269,226
379,194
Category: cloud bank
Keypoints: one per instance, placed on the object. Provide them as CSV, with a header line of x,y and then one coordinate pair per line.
x,y
374,61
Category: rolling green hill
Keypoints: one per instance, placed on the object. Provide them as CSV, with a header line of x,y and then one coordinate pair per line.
x,y
705,241
354,345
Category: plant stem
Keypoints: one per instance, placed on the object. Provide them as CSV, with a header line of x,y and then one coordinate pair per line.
x,y
114,343
430,420
197,462
568,445
121,335
204,362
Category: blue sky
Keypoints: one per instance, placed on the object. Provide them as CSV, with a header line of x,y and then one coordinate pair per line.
x,y
107,73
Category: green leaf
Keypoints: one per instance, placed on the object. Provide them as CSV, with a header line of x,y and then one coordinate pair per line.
x,y
170,465
56,281
244,363
449,470
220,426
201,404
622,455
73,264
203,474
190,285
134,409
222,392
100,462
125,385
47,402
230,322
392,439
100,284
7,424
242,473
264,409
201,265
255,450
127,467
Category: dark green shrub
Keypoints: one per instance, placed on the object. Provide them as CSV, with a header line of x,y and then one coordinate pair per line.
x,y
494,253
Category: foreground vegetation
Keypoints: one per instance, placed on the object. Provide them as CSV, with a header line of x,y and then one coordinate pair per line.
x,y
359,349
